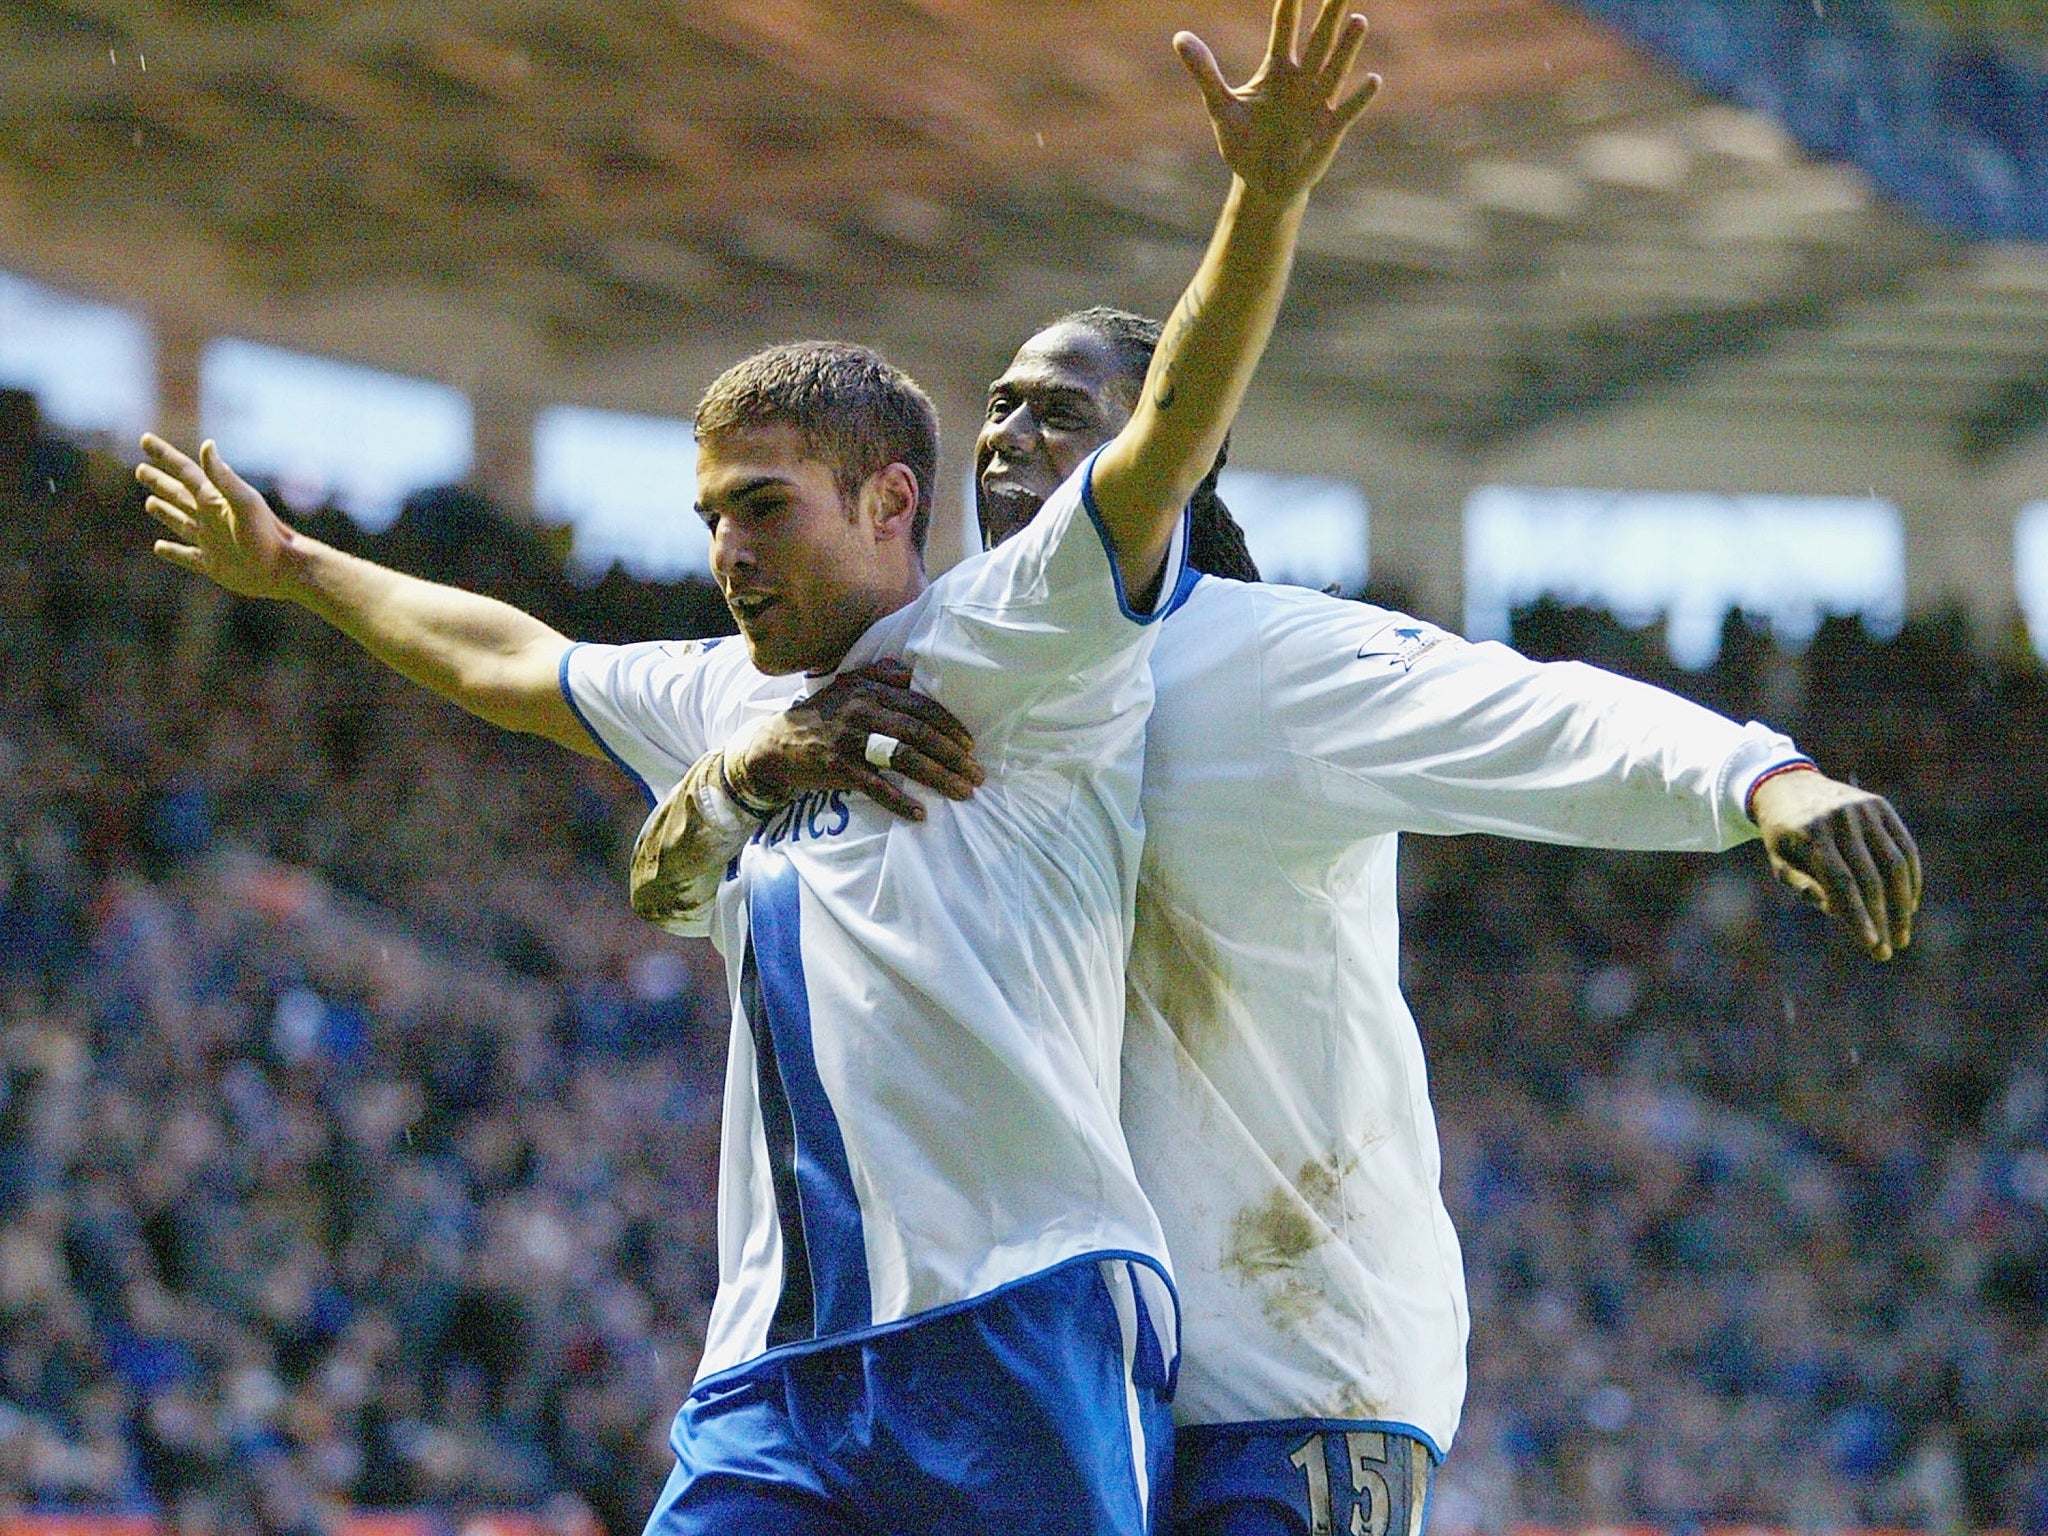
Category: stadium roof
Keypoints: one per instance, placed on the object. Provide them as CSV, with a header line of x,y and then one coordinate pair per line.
x,y
1538,219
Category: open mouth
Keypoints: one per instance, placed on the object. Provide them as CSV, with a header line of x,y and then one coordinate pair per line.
x,y
748,607
1005,508
1011,497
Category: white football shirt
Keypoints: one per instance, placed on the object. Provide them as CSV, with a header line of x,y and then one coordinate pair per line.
x,y
1275,1095
922,1088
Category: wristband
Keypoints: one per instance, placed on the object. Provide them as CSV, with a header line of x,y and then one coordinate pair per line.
x,y
1796,765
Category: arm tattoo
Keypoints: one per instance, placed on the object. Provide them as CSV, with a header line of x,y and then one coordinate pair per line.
x,y
1184,318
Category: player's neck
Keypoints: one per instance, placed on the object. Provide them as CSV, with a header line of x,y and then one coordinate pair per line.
x,y
898,592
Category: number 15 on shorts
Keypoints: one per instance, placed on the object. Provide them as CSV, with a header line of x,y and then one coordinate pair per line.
x,y
1373,1507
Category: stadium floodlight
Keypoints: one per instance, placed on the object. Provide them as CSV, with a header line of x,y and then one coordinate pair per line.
x,y
325,430
1689,559
2030,572
91,367
627,485
1304,530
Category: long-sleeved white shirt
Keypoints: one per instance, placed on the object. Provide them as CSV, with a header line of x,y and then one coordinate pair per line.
x,y
1275,1095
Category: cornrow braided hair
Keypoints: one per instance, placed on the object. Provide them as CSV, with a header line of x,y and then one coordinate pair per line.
x,y
1216,545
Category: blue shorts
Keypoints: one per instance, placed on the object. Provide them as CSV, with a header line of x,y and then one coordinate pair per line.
x,y
1039,1408
1300,1477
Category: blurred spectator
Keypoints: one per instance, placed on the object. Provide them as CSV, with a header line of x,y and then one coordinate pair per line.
x,y
357,1144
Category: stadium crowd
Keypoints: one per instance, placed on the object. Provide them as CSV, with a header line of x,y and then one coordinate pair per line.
x,y
357,1144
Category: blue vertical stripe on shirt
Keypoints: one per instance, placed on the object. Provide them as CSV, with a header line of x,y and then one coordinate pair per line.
x,y
825,1259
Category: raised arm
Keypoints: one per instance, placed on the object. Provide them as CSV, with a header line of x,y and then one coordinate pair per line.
x,y
492,659
1278,133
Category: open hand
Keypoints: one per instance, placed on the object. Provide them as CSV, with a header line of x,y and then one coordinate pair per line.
x,y
1846,851
820,743
1279,130
218,525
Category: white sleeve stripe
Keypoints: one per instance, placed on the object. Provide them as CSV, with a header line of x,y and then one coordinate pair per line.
x,y
569,696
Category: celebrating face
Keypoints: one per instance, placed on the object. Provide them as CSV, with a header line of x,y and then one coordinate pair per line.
x,y
1062,397
804,567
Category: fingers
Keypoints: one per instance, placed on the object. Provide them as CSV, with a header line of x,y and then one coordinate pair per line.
x,y
1869,886
1279,130
934,715
1324,33
1787,872
955,780
1883,866
1350,41
1899,860
221,473
1201,63
821,743
183,555
1813,864
1354,108
1286,23
924,754
1369,91
1348,109
891,797
1902,838
891,690
168,460
937,763
1853,857
936,750
1841,898
169,487
175,519
891,671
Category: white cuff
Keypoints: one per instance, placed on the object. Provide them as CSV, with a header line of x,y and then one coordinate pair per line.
x,y
1763,752
721,812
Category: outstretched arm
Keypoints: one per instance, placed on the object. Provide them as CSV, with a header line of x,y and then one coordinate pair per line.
x,y
1418,731
1278,133
487,656
1845,850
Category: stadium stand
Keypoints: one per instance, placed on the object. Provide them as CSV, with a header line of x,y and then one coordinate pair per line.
x,y
356,1143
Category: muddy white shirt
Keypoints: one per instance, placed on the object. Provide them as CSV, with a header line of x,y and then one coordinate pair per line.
x,y
922,1087
1275,1096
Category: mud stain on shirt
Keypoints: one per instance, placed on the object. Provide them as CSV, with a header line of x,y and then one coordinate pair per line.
x,y
1176,967
1292,1301
1270,1240
1322,1185
1273,1235
1353,1401
1265,1248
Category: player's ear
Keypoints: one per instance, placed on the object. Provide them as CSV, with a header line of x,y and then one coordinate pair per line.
x,y
890,497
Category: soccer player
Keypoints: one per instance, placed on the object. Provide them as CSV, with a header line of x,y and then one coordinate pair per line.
x,y
1274,1090
943,1298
